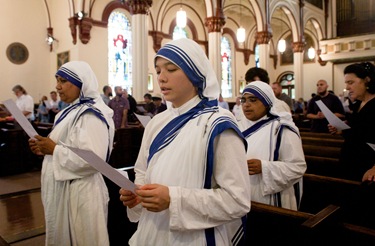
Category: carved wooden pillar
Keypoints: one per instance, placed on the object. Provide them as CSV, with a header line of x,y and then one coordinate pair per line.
x,y
214,26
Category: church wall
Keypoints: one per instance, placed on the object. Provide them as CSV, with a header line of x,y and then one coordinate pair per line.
x,y
19,24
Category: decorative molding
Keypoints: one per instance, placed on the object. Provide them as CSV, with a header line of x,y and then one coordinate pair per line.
x,y
73,22
139,6
214,23
85,26
298,47
321,62
263,37
157,37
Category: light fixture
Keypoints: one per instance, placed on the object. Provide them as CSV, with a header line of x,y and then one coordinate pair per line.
x,y
281,45
241,33
181,17
80,15
50,39
311,53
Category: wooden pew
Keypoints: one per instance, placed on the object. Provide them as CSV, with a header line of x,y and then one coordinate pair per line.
x,y
268,225
324,166
356,199
322,151
331,142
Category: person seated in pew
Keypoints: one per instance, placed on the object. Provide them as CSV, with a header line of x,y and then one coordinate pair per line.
x,y
357,156
276,161
74,195
191,168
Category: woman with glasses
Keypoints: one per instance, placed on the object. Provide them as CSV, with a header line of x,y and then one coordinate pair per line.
x,y
275,157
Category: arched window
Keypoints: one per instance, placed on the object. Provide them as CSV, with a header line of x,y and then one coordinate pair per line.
x,y
287,82
257,55
179,32
226,68
119,51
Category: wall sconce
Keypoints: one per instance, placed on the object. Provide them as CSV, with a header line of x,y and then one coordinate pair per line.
x,y
241,33
80,15
181,17
311,53
50,38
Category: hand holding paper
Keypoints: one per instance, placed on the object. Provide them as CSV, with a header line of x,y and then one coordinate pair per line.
x,y
331,117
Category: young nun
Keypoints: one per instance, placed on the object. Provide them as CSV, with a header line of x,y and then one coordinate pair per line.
x,y
74,195
191,168
276,161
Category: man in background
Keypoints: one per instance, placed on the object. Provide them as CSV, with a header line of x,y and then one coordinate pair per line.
x,y
107,94
120,107
319,123
278,91
53,106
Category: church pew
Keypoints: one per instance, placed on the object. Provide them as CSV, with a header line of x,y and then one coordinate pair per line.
x,y
331,142
356,199
325,166
268,225
320,135
322,151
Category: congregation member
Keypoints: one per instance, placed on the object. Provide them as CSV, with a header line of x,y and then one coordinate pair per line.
x,y
53,106
74,195
278,91
319,123
149,105
24,102
132,106
275,157
107,94
120,106
237,109
357,156
223,103
62,105
42,112
191,169
159,105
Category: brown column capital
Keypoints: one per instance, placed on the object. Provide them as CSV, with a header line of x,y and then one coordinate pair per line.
x,y
139,6
263,37
85,26
214,23
73,22
157,37
298,47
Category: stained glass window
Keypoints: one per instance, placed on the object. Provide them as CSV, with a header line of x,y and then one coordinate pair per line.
x,y
119,51
226,68
179,32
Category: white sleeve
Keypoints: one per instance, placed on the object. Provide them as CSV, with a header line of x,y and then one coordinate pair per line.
x,y
89,133
192,209
279,175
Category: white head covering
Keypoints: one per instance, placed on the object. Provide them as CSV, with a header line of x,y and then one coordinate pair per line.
x,y
190,57
265,94
81,75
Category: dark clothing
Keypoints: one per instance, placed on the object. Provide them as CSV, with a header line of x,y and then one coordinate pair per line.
x,y
356,155
287,100
160,109
332,102
132,109
118,105
150,107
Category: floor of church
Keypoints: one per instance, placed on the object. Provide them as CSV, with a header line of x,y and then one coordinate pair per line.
x,y
21,211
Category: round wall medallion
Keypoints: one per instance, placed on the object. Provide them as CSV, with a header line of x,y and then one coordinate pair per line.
x,y
17,53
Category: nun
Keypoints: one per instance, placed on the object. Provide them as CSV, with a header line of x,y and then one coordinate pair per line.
x,y
74,195
191,169
275,157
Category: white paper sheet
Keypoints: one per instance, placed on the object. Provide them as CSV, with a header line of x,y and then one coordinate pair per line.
x,y
104,168
372,146
20,118
144,119
331,117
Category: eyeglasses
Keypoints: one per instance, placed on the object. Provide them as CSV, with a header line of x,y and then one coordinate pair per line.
x,y
248,99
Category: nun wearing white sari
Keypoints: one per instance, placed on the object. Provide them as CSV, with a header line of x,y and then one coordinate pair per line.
x,y
74,195
191,168
276,161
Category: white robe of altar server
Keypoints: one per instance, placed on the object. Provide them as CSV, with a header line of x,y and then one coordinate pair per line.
x,y
74,194
276,176
181,166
